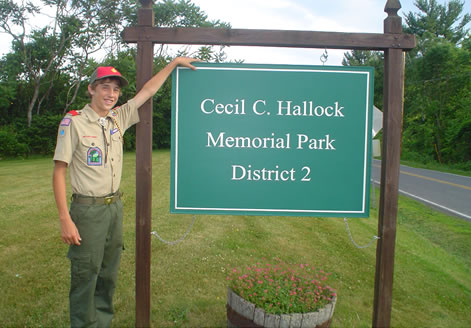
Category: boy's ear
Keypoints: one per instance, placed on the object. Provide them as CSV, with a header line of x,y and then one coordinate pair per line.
x,y
90,90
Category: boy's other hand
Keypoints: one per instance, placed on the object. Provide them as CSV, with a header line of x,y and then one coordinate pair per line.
x,y
186,62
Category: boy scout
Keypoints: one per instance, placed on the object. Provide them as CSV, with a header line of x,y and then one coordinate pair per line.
x,y
89,143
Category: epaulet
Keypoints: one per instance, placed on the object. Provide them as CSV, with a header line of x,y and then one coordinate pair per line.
x,y
75,112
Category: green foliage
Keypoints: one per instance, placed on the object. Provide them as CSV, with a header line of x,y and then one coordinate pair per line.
x,y
374,59
41,136
7,95
437,102
435,21
162,114
438,84
49,67
78,29
183,13
10,146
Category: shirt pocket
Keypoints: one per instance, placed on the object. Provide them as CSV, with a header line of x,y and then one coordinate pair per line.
x,y
116,137
116,145
92,151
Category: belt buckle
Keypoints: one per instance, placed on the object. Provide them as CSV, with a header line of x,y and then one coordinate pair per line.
x,y
108,200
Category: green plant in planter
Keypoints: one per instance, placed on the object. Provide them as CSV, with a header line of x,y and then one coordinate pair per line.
x,y
282,288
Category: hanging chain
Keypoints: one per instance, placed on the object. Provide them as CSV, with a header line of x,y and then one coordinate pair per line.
x,y
351,238
324,57
154,233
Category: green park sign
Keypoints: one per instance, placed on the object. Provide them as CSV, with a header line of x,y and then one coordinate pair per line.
x,y
271,140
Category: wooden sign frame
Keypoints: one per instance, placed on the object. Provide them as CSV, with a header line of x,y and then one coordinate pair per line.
x,y
392,42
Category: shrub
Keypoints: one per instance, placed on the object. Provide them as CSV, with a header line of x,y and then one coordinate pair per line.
x,y
9,144
41,136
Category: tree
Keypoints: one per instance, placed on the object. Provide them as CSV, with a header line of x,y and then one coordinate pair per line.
x,y
438,77
436,22
374,59
54,60
78,29
437,104
175,13
182,13
8,87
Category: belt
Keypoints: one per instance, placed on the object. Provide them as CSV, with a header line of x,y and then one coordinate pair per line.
x,y
89,200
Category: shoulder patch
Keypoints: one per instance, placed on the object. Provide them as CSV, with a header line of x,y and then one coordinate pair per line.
x,y
114,111
65,121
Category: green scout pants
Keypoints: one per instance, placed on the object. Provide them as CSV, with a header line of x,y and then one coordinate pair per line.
x,y
95,263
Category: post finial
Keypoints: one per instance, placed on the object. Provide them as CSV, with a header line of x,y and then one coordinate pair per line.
x,y
146,3
392,7
392,23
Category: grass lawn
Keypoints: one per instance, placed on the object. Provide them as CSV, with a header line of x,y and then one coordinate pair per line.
x,y
432,280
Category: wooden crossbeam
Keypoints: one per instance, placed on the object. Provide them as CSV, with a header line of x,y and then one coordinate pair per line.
x,y
268,38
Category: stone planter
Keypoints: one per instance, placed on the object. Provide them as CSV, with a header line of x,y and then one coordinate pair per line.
x,y
241,313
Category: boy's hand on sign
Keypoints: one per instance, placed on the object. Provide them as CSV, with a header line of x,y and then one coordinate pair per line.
x,y
186,62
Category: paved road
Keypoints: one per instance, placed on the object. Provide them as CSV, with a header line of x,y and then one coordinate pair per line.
x,y
447,192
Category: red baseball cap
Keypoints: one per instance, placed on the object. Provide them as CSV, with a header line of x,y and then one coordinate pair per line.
x,y
103,72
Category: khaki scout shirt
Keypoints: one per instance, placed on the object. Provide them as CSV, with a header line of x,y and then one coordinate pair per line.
x,y
93,150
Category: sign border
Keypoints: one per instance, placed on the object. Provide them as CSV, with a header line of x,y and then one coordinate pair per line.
x,y
364,212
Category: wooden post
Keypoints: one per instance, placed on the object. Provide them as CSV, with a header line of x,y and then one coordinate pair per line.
x,y
145,55
390,163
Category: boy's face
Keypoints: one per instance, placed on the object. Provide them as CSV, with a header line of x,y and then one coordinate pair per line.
x,y
105,94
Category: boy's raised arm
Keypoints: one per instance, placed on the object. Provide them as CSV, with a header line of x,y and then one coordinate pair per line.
x,y
154,84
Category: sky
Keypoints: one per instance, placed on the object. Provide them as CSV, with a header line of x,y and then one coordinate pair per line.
x,y
311,15
364,16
